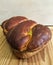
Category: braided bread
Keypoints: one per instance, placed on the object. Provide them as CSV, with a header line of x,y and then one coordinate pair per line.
x,y
26,37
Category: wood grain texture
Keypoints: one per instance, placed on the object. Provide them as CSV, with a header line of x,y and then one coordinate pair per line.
x,y
45,57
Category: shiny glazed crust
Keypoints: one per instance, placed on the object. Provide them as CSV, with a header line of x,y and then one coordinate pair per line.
x,y
27,54
8,24
26,37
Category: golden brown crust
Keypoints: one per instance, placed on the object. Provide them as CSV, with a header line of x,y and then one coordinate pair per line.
x,y
19,33
40,35
27,54
12,22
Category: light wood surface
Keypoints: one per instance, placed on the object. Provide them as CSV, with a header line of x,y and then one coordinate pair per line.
x,y
45,57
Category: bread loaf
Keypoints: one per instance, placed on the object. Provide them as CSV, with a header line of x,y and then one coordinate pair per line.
x,y
25,35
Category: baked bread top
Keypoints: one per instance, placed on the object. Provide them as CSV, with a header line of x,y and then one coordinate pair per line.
x,y
24,34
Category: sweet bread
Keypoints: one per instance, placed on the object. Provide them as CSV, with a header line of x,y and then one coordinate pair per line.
x,y
25,36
